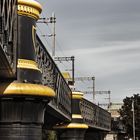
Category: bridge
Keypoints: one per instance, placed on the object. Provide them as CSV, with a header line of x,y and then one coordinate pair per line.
x,y
34,95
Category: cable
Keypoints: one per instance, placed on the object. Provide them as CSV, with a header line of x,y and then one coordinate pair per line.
x,y
45,38
50,46
58,45
60,48
44,3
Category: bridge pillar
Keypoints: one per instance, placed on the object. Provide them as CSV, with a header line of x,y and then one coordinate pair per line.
x,y
21,118
23,101
27,68
92,134
76,129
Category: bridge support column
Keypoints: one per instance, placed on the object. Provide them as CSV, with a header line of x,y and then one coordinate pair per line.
x,y
92,134
21,119
72,134
22,108
76,129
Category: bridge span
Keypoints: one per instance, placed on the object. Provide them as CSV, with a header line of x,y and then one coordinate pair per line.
x,y
34,95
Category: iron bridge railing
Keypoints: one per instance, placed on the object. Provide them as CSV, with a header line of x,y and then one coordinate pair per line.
x,y
8,37
94,116
52,77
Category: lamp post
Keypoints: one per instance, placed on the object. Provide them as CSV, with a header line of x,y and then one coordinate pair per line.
x,y
133,110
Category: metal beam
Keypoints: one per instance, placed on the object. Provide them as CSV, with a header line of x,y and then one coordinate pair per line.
x,y
88,79
97,92
84,78
72,59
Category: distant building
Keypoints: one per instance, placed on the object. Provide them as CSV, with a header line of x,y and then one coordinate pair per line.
x,y
114,109
117,128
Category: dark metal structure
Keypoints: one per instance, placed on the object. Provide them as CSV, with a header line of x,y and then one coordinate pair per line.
x,y
33,92
94,116
72,59
23,99
52,77
8,38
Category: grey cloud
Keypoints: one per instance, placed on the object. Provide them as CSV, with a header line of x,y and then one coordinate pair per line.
x,y
104,36
108,20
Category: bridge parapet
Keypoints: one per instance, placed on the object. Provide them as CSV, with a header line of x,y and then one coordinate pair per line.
x,y
8,38
94,116
52,77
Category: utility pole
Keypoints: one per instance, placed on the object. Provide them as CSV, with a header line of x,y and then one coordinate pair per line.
x,y
93,79
72,59
53,21
73,68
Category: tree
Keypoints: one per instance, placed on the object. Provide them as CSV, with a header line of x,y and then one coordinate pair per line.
x,y
49,135
127,115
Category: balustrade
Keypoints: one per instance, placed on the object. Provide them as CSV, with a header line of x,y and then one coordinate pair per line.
x,y
52,77
8,37
94,116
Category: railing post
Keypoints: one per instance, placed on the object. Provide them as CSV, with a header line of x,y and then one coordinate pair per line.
x,y
74,130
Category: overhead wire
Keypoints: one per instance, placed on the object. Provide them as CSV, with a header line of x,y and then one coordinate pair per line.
x,y
49,45
56,42
44,37
49,38
59,47
44,3
56,38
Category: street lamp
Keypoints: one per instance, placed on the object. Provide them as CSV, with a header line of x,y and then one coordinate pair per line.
x,y
133,110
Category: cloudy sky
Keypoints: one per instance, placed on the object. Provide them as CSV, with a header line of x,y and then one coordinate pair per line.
x,y
104,37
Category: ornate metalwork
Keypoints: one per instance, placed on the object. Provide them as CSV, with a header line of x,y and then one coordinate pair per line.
x,y
8,36
52,77
94,116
